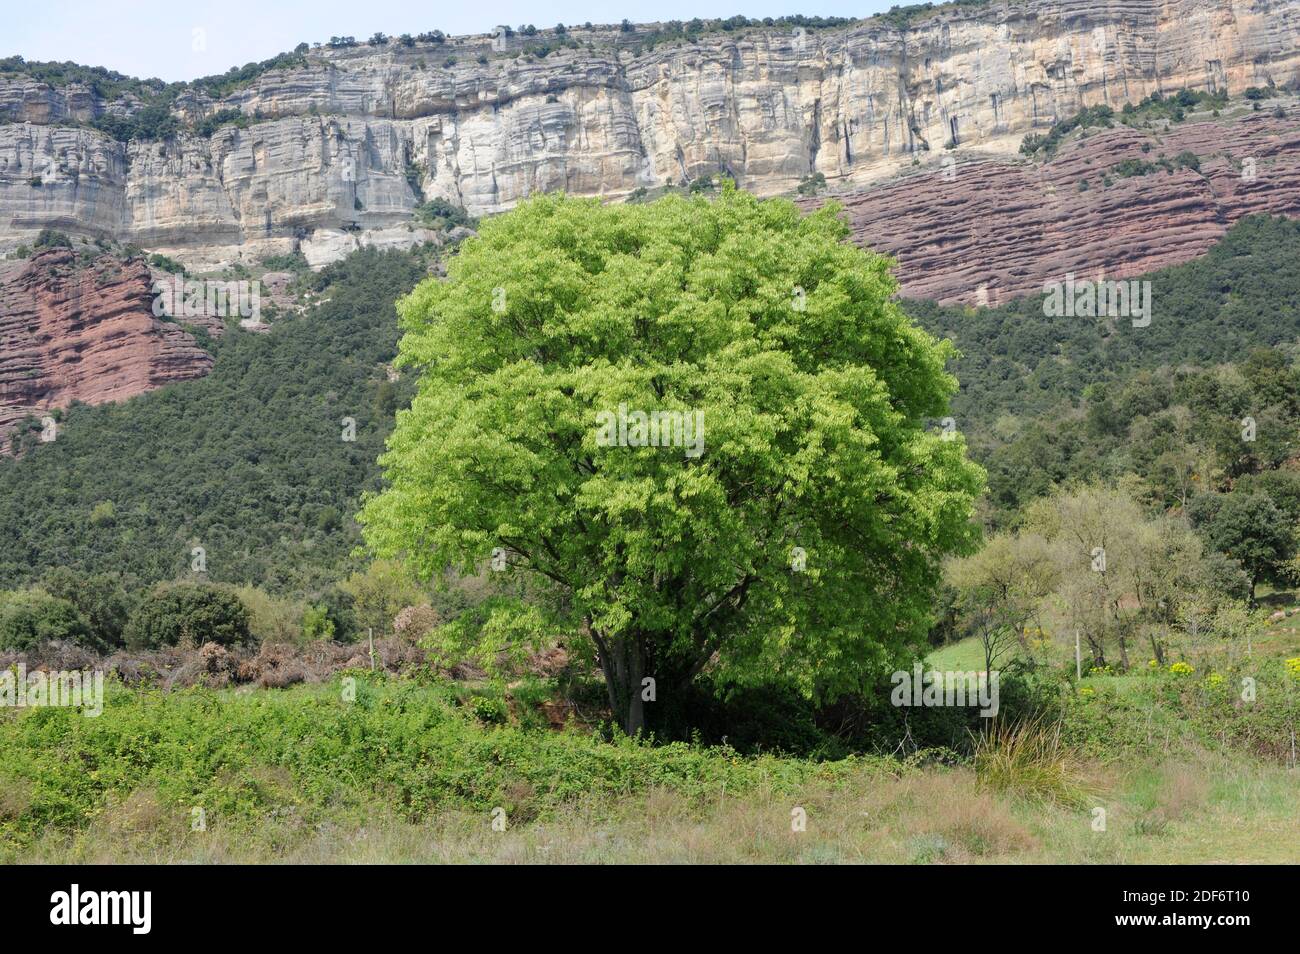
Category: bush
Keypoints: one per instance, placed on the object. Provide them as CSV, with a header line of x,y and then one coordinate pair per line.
x,y
176,614
31,617
272,619
52,239
439,213
101,599
223,117
421,752
812,184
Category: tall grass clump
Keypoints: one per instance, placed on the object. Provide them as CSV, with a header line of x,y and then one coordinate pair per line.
x,y
1028,757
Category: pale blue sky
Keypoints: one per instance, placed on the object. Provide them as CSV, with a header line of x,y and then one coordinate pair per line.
x,y
148,38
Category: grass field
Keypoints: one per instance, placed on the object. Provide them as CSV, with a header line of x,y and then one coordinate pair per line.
x,y
1190,810
410,772
964,656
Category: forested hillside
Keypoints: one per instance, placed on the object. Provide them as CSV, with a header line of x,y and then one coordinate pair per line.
x,y
1045,399
249,463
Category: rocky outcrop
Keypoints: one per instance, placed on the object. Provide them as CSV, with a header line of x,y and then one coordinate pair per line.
x,y
71,332
987,231
350,142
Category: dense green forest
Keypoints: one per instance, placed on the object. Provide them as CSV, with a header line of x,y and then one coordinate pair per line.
x,y
249,463
1046,399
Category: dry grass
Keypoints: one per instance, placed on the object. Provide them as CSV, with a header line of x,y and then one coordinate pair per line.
x,y
1210,810
15,798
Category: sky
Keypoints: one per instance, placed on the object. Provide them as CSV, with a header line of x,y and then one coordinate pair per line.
x,y
185,39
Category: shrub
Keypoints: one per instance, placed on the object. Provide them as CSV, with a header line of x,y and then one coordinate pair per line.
x,y
49,238
101,599
176,614
812,184
31,617
439,213
166,264
316,623
223,117
272,619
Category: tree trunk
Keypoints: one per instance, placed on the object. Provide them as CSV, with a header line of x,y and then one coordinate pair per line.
x,y
1098,650
624,668
1158,649
634,722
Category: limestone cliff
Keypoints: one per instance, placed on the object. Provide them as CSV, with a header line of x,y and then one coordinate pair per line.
x,y
340,150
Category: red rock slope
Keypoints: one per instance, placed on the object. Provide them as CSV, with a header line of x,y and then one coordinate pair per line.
x,y
70,333
1013,225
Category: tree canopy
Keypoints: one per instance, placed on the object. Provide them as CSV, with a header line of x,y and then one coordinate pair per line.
x,y
801,539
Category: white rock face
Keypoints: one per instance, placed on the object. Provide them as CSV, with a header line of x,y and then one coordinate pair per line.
x,y
334,148
330,245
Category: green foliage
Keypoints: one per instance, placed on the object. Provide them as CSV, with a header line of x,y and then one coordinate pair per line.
x,y
1154,107
188,614
1030,759
438,213
168,265
293,261
1200,706
1045,399
904,17
31,617
153,120
1138,167
248,461
222,117
378,592
812,184
316,623
101,81
49,238
102,600
814,389
273,619
1172,108
675,31
402,743
1248,527
1035,143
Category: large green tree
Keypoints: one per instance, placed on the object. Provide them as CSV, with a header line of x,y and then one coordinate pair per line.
x,y
1250,528
800,540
